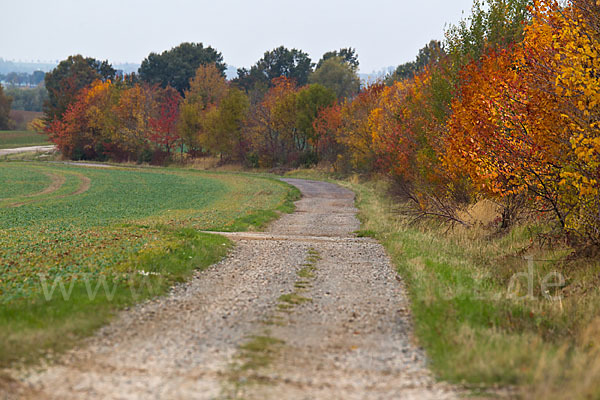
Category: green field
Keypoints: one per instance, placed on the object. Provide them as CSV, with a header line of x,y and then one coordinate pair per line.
x,y
12,139
133,228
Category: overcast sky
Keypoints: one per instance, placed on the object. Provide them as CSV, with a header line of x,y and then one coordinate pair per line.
x,y
384,32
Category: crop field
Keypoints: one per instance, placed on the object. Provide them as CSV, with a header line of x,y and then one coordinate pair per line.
x,y
63,225
10,139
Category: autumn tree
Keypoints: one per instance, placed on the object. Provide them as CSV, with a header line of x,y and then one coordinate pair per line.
x,y
164,132
394,130
116,121
224,125
355,133
272,121
135,108
489,135
525,120
208,86
190,126
327,127
87,124
206,89
71,76
309,103
569,65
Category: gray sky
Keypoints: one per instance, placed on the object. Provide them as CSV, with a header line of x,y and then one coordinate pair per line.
x,y
384,32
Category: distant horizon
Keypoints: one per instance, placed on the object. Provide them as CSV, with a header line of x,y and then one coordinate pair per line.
x,y
113,63
384,32
377,72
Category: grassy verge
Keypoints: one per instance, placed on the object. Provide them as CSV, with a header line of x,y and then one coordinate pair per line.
x,y
486,315
258,220
72,309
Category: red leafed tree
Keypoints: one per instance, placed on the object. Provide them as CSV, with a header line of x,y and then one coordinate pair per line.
x,y
86,124
326,126
164,126
62,134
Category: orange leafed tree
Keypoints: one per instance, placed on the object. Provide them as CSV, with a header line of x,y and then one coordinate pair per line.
x,y
525,120
393,132
135,107
355,133
406,128
86,124
405,132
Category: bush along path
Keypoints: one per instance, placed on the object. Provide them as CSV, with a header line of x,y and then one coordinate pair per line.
x,y
303,310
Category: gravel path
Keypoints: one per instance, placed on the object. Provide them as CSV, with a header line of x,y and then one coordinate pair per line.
x,y
332,308
37,149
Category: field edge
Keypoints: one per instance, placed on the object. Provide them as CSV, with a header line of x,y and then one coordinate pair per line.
x,y
42,329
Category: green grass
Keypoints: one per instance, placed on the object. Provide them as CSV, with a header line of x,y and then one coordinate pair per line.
x,y
288,301
259,352
30,328
307,272
476,331
366,233
293,299
126,226
259,219
12,139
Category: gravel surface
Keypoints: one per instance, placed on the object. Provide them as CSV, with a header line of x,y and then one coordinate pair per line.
x,y
349,337
37,149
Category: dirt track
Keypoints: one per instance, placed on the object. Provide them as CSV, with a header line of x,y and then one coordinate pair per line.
x,y
37,149
330,304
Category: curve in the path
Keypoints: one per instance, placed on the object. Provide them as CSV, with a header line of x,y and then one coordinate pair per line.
x,y
56,182
350,336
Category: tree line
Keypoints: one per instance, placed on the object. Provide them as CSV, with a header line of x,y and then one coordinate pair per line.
x,y
180,104
504,108
23,78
